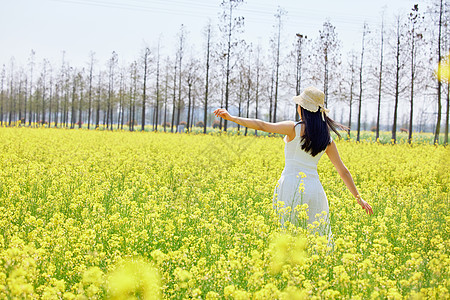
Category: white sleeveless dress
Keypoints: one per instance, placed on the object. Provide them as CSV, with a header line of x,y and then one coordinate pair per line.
x,y
312,193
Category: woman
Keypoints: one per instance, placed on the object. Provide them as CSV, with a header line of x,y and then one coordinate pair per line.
x,y
305,143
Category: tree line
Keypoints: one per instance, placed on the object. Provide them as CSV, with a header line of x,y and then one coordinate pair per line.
x,y
395,64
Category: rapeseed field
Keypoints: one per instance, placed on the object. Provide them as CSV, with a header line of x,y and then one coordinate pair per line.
x,y
120,215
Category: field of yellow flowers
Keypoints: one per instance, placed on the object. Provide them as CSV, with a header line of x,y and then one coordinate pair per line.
x,y
97,214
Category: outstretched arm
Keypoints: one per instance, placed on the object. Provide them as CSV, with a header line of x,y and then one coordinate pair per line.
x,y
333,154
286,127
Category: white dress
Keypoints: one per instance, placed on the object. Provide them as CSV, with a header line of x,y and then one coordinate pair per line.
x,y
292,193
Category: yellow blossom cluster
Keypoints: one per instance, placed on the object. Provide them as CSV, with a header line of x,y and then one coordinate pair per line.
x,y
120,215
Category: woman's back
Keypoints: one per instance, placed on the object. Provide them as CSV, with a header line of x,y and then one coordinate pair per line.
x,y
298,160
301,167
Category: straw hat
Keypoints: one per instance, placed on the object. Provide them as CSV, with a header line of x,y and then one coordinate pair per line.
x,y
312,99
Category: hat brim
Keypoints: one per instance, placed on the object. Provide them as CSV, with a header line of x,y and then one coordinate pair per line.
x,y
305,104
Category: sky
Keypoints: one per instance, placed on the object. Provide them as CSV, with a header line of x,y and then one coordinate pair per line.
x,y
77,27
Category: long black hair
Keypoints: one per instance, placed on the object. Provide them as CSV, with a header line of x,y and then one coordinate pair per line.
x,y
317,132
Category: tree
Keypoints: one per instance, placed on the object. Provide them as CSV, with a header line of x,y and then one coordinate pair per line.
x,y
157,86
174,94
2,98
111,72
180,59
248,83
380,76
298,74
31,64
414,36
439,84
191,78
99,96
80,101
133,94
230,26
90,78
280,13
74,95
207,67
50,98
146,59
258,72
11,91
44,88
166,93
57,94
328,47
398,68
352,69
122,89
240,90
365,31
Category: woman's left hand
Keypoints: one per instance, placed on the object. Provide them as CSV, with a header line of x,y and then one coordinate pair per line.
x,y
223,113
366,206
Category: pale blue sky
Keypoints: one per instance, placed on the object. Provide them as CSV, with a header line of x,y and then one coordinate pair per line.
x,y
102,26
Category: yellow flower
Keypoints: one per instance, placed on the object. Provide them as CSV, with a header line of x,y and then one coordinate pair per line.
x,y
133,277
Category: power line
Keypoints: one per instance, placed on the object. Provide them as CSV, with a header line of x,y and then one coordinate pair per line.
x,y
259,16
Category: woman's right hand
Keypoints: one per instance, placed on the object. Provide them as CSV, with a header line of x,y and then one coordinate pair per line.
x,y
223,113
366,206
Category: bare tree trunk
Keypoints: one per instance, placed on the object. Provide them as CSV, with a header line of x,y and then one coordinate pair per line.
x,y
271,98
20,97
397,83
193,108
180,58
122,103
240,99
174,96
144,95
133,115
80,103
414,15
43,91
31,89
438,122
91,69
258,68
24,117
133,96
279,14
361,83
248,95
109,114
2,95
350,111
228,70
11,94
130,105
166,89
157,90
189,106
447,114
221,105
298,77
50,103
97,113
65,108
57,104
380,81
325,77
208,45
74,90
352,85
